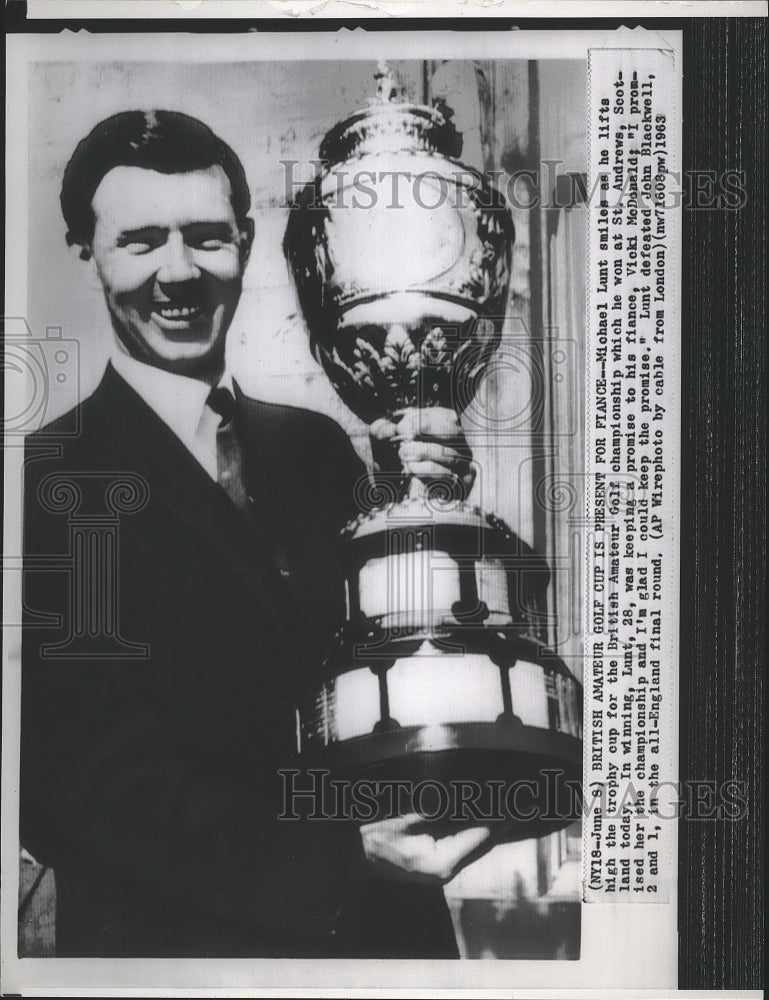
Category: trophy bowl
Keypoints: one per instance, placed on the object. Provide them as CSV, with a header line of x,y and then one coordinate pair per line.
x,y
400,254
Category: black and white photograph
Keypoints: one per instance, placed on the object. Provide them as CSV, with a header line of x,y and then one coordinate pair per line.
x,y
343,437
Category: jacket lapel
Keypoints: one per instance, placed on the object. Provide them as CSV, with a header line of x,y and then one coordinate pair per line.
x,y
177,480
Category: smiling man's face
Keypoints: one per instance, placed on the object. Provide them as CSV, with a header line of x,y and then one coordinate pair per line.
x,y
170,257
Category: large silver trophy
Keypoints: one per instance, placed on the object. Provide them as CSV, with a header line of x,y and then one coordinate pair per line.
x,y
401,257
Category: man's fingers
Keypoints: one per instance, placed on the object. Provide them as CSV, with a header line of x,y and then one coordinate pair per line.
x,y
383,430
425,451
395,824
456,850
429,422
398,849
393,838
428,442
429,470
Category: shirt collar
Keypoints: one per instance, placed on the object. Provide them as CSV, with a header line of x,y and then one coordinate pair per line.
x,y
179,401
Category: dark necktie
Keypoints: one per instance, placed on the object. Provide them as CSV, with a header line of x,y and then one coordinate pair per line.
x,y
229,468
229,459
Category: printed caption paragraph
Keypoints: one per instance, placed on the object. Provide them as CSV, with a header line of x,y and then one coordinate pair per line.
x,y
633,464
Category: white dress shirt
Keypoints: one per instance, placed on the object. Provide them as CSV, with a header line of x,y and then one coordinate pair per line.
x,y
180,402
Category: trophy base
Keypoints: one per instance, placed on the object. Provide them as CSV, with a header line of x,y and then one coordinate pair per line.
x,y
438,681
522,781
423,563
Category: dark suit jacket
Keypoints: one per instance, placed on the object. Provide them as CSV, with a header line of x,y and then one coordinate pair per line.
x,y
151,784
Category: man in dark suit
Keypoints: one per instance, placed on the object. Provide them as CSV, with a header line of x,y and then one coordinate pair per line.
x,y
159,674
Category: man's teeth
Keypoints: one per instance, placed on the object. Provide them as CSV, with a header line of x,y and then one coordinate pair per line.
x,y
179,312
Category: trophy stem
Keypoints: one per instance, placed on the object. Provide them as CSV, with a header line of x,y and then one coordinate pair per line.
x,y
418,489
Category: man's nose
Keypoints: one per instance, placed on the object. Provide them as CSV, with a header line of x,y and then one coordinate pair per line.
x,y
178,261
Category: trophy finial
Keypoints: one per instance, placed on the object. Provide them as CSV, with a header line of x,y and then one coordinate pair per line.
x,y
388,88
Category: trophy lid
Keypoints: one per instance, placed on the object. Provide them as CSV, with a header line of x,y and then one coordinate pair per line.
x,y
392,125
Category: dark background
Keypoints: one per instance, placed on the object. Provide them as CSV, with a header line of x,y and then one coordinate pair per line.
x,y
723,568
723,645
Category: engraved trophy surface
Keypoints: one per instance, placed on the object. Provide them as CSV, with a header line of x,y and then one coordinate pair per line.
x,y
401,255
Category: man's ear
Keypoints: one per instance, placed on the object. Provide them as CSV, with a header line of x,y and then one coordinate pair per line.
x,y
246,239
86,263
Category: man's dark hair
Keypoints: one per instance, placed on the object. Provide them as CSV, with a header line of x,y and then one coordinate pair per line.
x,y
166,141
